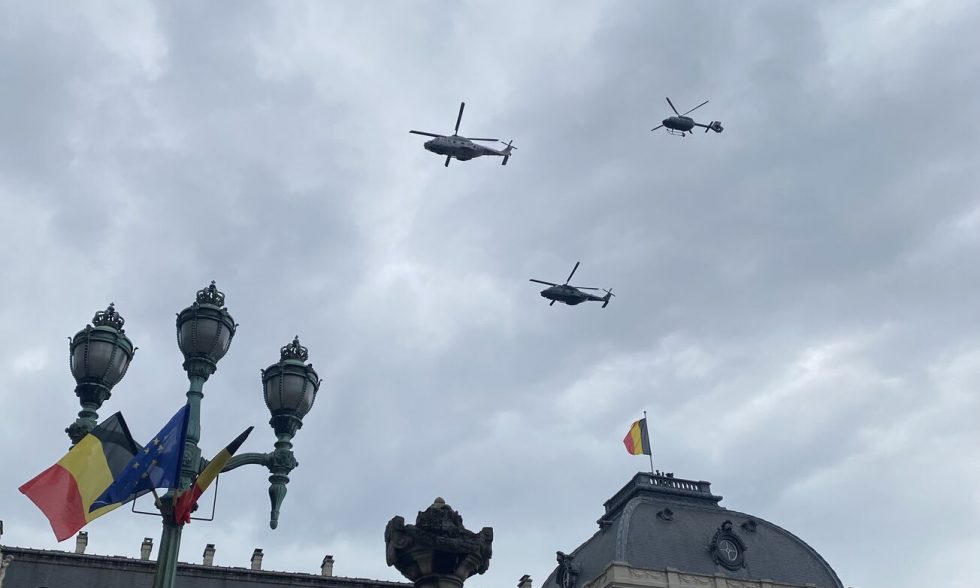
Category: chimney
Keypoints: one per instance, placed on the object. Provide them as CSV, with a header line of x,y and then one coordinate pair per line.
x,y
326,568
257,559
81,541
209,554
146,548
524,582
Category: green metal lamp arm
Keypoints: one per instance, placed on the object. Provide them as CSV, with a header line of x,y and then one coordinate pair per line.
x,y
262,459
279,462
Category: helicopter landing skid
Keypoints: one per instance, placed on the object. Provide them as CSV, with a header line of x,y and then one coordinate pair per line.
x,y
676,133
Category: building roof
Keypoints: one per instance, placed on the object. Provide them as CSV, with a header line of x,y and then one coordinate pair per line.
x,y
657,522
48,568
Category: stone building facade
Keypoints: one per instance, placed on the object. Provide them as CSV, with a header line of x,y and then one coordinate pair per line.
x,y
658,531
41,568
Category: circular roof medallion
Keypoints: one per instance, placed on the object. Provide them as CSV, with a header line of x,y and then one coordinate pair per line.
x,y
726,548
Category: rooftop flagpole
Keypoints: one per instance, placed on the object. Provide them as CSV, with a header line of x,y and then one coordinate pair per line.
x,y
646,425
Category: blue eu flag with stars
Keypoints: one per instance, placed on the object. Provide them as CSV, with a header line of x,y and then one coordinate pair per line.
x,y
157,465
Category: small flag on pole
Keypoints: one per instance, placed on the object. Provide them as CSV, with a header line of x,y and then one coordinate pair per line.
x,y
637,441
188,498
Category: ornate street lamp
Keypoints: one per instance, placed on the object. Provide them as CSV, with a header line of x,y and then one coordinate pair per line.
x,y
290,388
101,353
99,356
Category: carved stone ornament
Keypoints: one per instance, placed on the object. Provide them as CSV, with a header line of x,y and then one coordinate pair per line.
x,y
727,548
692,580
665,515
437,550
654,575
4,562
750,525
568,571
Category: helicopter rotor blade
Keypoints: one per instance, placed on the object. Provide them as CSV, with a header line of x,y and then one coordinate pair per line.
x,y
460,116
543,282
695,108
573,271
672,107
583,288
426,134
656,127
481,139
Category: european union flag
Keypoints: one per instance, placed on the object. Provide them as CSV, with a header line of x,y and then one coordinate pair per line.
x,y
155,466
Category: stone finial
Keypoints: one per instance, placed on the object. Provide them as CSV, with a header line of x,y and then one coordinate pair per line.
x,y
257,559
437,551
568,570
326,567
208,555
81,541
146,548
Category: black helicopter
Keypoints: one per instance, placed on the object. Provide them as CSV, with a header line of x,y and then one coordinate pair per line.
x,y
682,124
572,295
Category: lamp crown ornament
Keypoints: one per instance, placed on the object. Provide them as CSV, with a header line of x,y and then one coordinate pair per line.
x,y
211,295
294,351
109,318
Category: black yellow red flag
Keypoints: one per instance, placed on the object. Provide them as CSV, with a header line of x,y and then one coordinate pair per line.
x,y
637,441
65,491
188,498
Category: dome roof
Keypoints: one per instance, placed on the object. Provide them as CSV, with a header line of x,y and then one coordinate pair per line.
x,y
658,521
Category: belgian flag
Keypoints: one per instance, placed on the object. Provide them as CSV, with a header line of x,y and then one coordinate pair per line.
x,y
188,498
637,441
65,491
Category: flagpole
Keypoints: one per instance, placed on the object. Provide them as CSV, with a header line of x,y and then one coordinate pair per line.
x,y
648,438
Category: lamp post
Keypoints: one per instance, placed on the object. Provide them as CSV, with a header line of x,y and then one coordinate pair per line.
x,y
101,353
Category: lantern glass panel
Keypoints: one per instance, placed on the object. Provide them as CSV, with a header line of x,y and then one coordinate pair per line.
x,y
289,391
118,368
213,338
272,397
78,361
100,354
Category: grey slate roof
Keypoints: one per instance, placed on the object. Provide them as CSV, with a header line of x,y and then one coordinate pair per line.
x,y
631,532
36,568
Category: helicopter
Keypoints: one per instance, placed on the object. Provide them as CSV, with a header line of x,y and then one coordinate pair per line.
x,y
462,148
572,295
682,124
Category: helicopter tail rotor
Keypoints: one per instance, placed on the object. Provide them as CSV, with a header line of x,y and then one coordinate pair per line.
x,y
714,126
605,299
510,147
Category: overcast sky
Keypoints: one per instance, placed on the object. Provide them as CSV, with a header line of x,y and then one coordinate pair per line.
x,y
796,297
